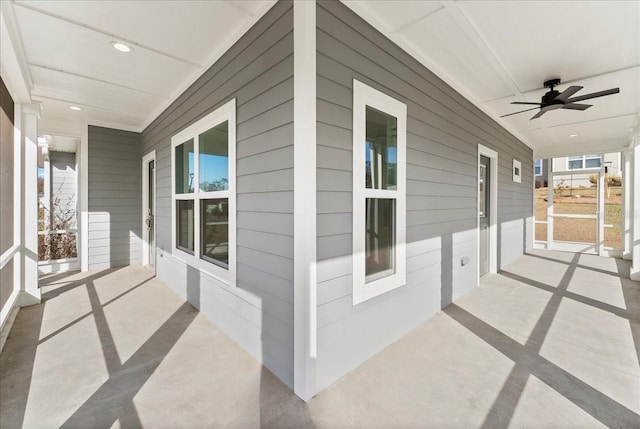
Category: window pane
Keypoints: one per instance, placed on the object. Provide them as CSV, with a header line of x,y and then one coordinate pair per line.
x,y
482,190
184,226
573,165
214,158
537,167
379,238
215,231
184,168
592,162
381,150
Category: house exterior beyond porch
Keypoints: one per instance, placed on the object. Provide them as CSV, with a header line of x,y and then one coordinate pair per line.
x,y
578,170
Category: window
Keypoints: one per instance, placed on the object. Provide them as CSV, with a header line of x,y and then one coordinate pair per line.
x,y
537,167
379,196
583,162
203,177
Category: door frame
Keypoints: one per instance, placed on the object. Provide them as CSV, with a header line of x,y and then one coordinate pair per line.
x,y
493,210
151,156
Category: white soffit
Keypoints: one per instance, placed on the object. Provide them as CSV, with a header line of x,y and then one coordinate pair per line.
x,y
68,53
496,52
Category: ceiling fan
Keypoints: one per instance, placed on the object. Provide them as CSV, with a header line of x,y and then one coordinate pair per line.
x,y
553,99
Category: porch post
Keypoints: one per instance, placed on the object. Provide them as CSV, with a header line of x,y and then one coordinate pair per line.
x,y
627,209
30,293
635,237
601,210
304,188
550,181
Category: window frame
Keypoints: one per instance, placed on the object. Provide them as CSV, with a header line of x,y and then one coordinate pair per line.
x,y
583,159
363,96
226,112
537,167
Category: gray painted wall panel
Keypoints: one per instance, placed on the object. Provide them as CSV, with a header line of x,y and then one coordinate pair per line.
x,y
7,283
114,198
444,131
258,71
7,173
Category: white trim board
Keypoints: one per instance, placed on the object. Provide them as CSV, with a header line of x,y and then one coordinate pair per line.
x,y
151,156
493,210
304,186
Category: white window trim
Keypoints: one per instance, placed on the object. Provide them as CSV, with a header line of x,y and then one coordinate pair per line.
x,y
493,211
584,162
517,171
364,96
227,112
151,156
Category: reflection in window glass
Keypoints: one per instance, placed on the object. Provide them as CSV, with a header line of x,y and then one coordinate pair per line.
x,y
592,162
584,161
482,191
537,167
184,167
379,238
215,231
214,159
381,150
184,226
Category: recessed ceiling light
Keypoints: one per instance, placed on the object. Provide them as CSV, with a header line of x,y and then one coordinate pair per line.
x,y
75,108
119,46
573,135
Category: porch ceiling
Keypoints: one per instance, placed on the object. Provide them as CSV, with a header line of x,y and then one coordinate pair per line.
x,y
496,52
493,52
67,52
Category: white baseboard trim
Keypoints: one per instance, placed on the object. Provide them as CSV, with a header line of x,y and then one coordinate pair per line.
x,y
7,324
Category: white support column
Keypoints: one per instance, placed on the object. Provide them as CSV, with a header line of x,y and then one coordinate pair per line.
x,y
600,209
635,198
30,292
550,203
627,209
304,186
83,192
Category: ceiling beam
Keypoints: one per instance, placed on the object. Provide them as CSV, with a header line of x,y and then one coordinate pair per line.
x,y
13,64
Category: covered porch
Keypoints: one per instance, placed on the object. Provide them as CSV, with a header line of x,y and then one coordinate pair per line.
x,y
553,339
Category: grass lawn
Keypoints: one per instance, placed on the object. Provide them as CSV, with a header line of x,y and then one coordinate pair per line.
x,y
580,201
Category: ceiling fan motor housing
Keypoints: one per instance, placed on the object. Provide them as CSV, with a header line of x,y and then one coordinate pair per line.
x,y
549,98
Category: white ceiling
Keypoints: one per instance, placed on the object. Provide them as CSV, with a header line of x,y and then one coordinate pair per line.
x,y
493,52
67,48
496,52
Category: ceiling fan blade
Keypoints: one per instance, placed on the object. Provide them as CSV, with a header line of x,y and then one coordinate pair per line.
x,y
540,113
545,109
515,113
526,102
594,95
564,95
576,106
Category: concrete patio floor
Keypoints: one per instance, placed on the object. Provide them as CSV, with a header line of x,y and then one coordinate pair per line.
x,y
551,341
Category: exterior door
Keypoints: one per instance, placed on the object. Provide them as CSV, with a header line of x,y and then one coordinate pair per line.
x,y
148,211
484,198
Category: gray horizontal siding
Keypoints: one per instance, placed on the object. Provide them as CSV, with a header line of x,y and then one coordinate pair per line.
x,y
114,198
258,72
443,133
